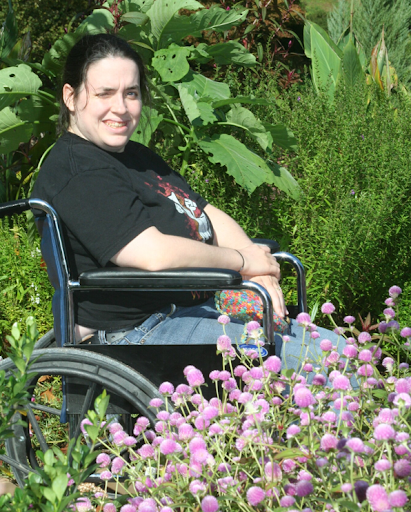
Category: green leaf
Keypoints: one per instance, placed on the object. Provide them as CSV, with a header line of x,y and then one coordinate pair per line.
x,y
282,136
249,100
101,20
243,117
289,453
171,63
9,34
17,82
49,458
326,60
247,168
149,121
13,131
59,486
92,431
351,70
201,87
136,5
48,494
136,18
347,505
162,12
231,52
380,393
54,59
199,113
214,19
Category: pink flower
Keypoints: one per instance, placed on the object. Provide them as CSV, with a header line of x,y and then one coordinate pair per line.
x,y
366,370
303,319
223,343
402,468
209,504
166,388
146,451
109,507
402,399
406,332
156,402
384,432
397,498
394,291
117,465
303,397
327,308
355,444
303,488
255,495
223,319
349,319
341,382
378,498
273,472
252,326
273,364
83,504
103,460
350,351
105,475
195,378
382,465
319,380
292,431
402,386
365,355
168,446
326,345
329,442
287,501
364,337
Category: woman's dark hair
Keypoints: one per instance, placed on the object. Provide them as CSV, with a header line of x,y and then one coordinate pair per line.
x,y
88,50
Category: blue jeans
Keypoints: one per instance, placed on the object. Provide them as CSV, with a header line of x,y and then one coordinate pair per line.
x,y
198,325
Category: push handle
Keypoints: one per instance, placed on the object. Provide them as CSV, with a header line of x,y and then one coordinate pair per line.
x,y
11,207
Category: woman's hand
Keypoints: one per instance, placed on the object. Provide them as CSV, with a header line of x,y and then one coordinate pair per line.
x,y
258,261
272,286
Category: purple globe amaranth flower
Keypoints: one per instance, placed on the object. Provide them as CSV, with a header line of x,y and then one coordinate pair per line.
x,y
273,472
384,432
360,487
349,319
103,459
341,382
326,345
303,488
393,324
287,501
327,308
364,337
168,446
346,487
406,332
319,380
382,327
255,495
402,400
365,355
394,291
223,343
355,445
382,465
328,442
166,388
109,507
273,364
378,498
350,351
117,465
303,319
329,416
105,475
146,451
156,402
389,314
223,319
403,386
143,508
403,366
252,326
303,397
388,362
292,431
397,498
402,468
366,370
83,504
195,378
389,302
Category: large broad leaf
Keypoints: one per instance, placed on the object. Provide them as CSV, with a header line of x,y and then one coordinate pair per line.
x,y
247,168
171,63
351,70
249,100
326,60
282,136
214,19
54,59
136,18
199,113
17,82
139,37
201,87
149,121
101,20
36,110
13,131
231,52
9,34
162,12
136,5
242,117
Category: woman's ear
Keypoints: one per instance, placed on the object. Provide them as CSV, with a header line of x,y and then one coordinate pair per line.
x,y
68,97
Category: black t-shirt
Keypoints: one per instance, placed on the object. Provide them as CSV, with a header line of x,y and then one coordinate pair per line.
x,y
104,201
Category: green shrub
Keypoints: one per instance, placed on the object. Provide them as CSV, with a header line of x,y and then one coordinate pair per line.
x,y
24,285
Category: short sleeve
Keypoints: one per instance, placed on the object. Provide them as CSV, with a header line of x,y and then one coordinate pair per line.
x,y
102,211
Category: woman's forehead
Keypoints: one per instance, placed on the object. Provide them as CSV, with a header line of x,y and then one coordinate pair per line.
x,y
112,71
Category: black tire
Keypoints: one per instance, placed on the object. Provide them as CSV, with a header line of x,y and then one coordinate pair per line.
x,y
46,341
130,391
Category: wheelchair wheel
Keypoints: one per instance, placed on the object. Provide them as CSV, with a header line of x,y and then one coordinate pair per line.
x,y
130,392
46,341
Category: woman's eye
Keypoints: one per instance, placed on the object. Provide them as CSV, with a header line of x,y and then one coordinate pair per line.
x,y
132,94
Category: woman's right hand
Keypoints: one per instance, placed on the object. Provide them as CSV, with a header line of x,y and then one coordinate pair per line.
x,y
258,261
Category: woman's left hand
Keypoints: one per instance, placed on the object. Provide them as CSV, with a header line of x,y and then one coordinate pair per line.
x,y
271,284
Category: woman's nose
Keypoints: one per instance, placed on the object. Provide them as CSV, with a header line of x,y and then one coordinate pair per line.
x,y
119,104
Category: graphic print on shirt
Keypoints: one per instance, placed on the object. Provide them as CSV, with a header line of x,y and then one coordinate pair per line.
x,y
196,218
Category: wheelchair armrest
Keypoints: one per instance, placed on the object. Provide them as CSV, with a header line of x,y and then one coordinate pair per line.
x,y
272,244
182,278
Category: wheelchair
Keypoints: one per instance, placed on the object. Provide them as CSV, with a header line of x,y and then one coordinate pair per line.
x,y
130,374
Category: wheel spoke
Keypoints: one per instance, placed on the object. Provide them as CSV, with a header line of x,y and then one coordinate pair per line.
x,y
36,429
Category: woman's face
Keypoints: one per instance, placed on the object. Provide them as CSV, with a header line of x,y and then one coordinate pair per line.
x,y
108,107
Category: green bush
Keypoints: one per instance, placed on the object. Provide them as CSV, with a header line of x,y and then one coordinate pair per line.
x,y
24,286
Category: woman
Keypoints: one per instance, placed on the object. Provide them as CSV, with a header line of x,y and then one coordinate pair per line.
x,y
122,205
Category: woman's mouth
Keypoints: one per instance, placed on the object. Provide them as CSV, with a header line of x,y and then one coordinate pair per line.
x,y
116,124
